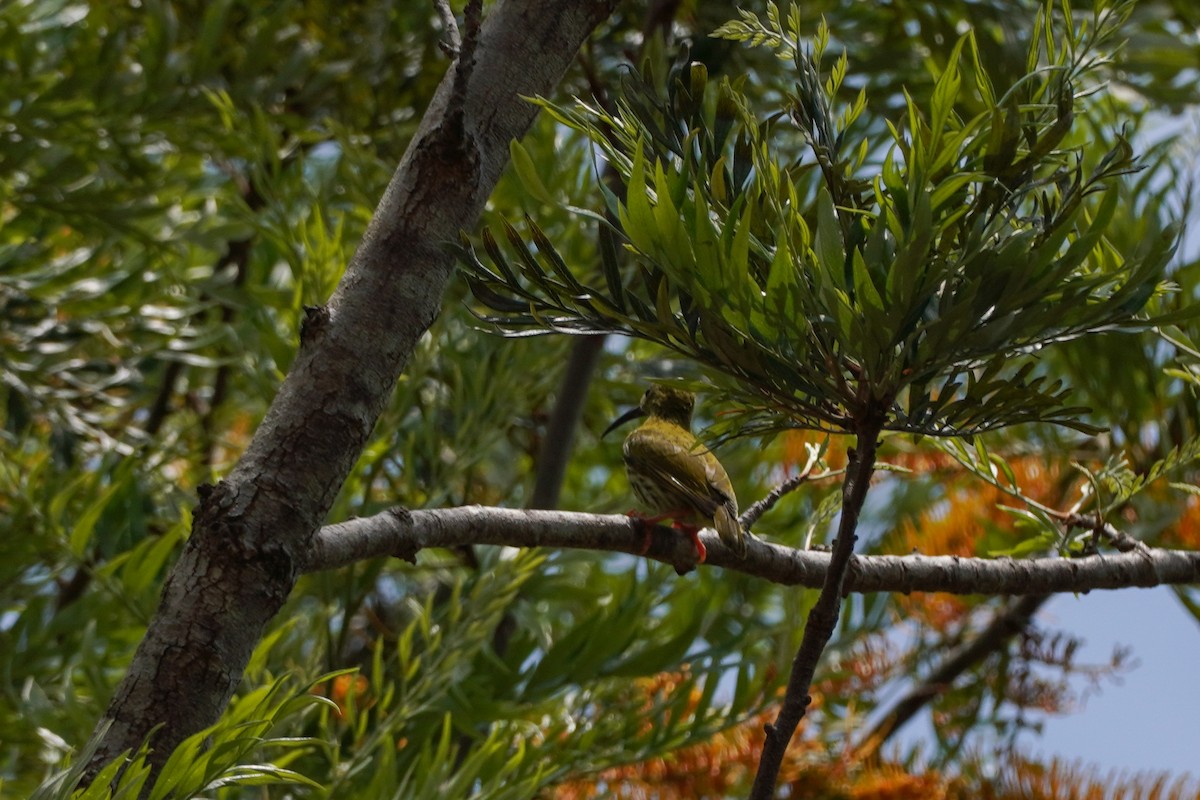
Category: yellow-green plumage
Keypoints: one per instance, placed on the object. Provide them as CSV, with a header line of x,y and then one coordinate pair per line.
x,y
674,474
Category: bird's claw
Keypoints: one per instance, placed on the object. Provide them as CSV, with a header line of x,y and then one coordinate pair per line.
x,y
701,550
647,523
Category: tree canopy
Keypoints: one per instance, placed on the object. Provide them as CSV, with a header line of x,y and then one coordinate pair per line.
x,y
313,315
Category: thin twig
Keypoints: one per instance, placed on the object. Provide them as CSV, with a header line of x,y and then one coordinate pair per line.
x,y
161,407
453,42
660,16
237,256
752,514
1122,542
822,620
1011,491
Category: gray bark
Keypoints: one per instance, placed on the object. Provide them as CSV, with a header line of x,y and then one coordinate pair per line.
x,y
252,532
403,534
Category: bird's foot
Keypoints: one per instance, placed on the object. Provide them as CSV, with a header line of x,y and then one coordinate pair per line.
x,y
693,533
648,521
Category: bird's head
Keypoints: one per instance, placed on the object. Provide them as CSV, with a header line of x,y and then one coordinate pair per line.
x,y
661,402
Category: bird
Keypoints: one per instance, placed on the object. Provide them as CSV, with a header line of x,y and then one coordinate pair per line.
x,y
674,475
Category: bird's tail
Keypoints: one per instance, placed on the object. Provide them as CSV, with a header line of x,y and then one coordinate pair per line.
x,y
730,530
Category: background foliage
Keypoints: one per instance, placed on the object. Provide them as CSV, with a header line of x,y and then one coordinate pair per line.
x,y
179,179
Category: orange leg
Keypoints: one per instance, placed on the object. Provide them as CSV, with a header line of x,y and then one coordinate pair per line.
x,y
693,533
648,522
647,537
647,525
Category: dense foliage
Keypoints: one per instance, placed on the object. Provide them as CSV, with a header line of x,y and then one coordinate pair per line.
x,y
180,179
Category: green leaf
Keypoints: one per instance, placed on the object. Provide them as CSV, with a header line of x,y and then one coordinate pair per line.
x,y
527,173
637,217
828,244
80,536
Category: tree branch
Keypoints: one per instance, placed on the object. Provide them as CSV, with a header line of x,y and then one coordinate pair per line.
x,y
824,615
252,532
403,534
453,40
464,67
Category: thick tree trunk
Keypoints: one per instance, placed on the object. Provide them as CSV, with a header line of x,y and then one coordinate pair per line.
x,y
252,531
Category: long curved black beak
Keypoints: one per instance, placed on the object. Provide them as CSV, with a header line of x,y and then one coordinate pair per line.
x,y
632,413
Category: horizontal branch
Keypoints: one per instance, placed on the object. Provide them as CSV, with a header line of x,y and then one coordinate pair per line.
x,y
402,533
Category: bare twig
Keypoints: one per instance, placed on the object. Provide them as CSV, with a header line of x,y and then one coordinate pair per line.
x,y
752,514
822,620
660,16
237,256
161,407
453,42
1123,542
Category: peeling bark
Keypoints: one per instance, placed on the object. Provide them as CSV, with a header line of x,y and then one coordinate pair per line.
x,y
252,532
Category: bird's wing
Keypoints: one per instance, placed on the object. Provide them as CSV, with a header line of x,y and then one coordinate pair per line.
x,y
685,472
718,481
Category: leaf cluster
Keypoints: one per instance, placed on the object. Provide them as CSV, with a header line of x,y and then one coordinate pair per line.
x,y
180,177
218,758
504,680
159,170
913,279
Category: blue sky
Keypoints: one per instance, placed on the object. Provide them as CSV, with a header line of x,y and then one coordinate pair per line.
x,y
1150,720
